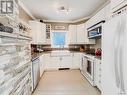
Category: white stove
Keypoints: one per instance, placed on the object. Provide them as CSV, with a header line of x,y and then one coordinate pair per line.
x,y
88,67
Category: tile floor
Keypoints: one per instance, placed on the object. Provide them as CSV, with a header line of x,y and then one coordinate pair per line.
x,y
69,82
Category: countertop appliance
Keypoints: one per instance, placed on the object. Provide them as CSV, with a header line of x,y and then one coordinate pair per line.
x,y
114,56
87,68
35,72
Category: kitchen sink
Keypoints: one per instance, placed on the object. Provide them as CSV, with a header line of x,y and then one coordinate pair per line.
x,y
60,53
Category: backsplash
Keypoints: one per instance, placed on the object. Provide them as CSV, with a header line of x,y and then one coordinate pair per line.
x,y
97,45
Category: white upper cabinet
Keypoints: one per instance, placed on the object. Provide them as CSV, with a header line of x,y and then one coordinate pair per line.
x,y
87,40
81,34
96,18
107,12
116,3
72,34
78,34
103,14
38,32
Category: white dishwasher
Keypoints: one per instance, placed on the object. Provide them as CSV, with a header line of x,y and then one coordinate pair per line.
x,y
35,71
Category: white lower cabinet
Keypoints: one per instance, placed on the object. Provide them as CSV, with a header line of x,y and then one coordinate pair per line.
x,y
72,34
98,73
72,61
47,61
42,65
76,60
66,61
55,62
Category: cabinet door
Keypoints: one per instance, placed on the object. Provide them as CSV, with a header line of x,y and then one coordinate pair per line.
x,y
72,34
87,40
42,65
115,3
98,73
47,60
66,62
41,34
55,63
97,18
80,34
76,61
107,12
33,33
52,62
38,32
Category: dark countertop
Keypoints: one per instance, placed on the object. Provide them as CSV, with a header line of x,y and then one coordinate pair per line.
x,y
38,54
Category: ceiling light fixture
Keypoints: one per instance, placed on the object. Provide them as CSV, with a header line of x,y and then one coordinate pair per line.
x,y
63,7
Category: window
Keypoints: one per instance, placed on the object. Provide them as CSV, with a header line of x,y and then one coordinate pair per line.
x,y
59,39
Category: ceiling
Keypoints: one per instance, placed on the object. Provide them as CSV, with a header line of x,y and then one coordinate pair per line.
x,y
47,9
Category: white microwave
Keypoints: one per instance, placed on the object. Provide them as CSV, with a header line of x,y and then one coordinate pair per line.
x,y
95,30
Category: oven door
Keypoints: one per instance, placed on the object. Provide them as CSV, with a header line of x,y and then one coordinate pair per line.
x,y
90,69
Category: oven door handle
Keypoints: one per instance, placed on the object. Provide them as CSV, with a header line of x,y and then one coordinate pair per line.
x,y
88,58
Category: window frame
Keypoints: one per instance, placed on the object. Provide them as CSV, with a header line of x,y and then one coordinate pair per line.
x,y
66,42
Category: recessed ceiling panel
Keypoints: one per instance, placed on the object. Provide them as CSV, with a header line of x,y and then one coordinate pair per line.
x,y
48,9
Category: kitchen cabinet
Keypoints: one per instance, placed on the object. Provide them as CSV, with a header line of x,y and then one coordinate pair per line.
x,y
80,34
108,12
35,72
72,34
42,65
38,32
87,40
76,64
98,73
116,3
101,15
47,61
66,61
51,62
48,34
56,62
